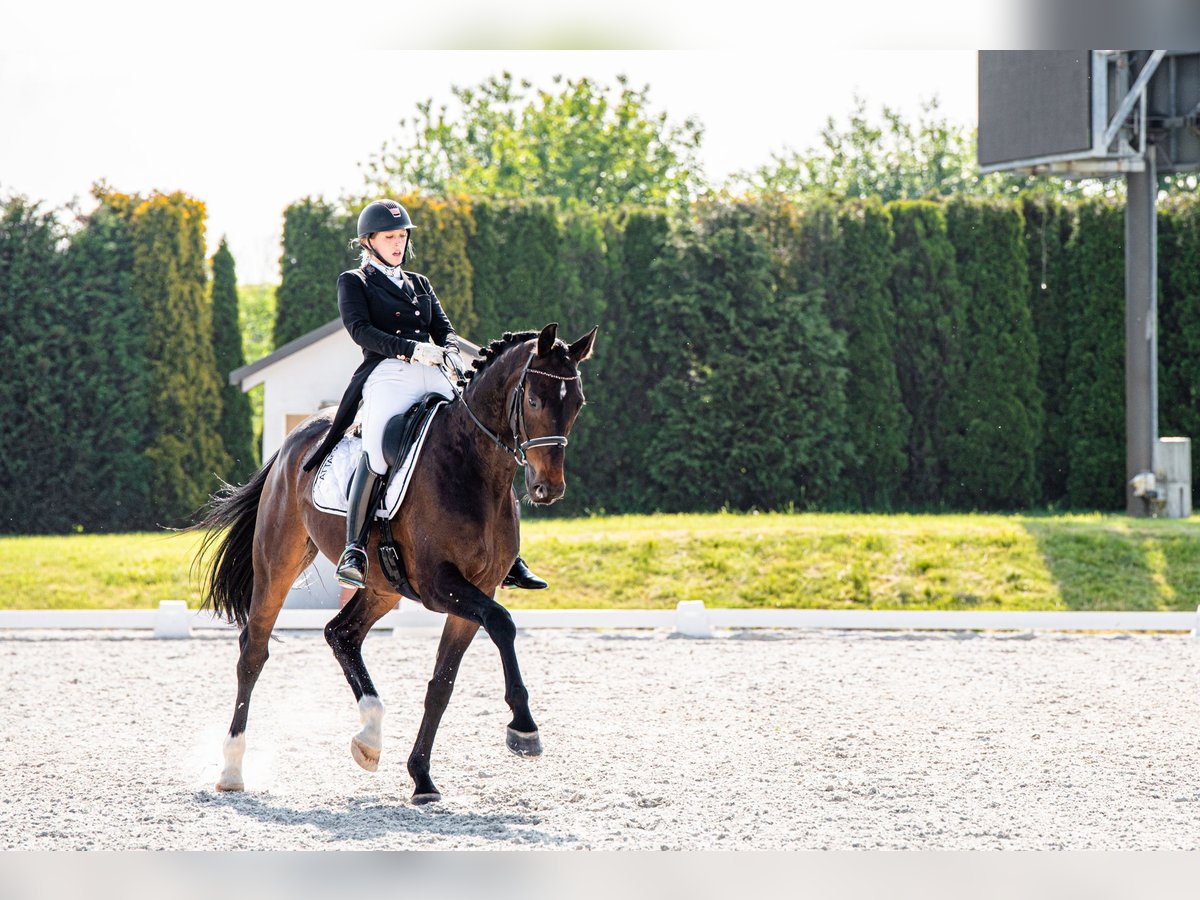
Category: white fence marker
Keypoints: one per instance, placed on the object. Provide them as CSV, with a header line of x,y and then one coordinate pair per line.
x,y
691,619
173,620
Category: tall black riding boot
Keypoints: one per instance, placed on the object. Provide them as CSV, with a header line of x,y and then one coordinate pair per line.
x,y
352,567
519,576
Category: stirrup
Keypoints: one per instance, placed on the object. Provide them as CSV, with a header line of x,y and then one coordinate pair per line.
x,y
519,576
352,567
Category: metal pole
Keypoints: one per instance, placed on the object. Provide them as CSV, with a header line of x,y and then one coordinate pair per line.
x,y
1141,339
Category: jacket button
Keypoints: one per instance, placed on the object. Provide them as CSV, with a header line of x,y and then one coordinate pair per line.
x,y
397,313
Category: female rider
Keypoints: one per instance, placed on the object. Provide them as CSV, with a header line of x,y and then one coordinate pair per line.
x,y
396,318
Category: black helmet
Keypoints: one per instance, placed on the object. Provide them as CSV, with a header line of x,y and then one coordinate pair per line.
x,y
383,215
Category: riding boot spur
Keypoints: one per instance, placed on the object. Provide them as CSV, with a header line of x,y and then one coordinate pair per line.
x,y
364,496
519,576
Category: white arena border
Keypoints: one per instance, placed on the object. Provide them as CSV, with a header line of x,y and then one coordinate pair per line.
x,y
690,618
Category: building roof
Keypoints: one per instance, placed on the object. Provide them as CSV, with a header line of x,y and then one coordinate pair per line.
x,y
237,376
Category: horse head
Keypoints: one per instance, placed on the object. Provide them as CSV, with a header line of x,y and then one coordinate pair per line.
x,y
548,401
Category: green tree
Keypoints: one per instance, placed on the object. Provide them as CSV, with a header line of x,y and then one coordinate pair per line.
x,y
108,384
237,434
516,258
1179,318
256,306
183,415
316,249
36,344
929,331
582,141
990,457
1048,224
1096,359
750,411
617,426
859,305
887,157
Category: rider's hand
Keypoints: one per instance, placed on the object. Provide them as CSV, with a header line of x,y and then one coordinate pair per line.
x,y
454,358
427,354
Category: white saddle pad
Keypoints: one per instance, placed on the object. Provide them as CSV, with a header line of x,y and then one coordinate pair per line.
x,y
331,487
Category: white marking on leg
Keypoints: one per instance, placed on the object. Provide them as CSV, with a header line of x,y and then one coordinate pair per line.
x,y
231,775
370,711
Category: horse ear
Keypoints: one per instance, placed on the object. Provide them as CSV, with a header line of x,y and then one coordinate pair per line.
x,y
546,339
582,348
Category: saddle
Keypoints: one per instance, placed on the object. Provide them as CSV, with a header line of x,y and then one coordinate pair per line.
x,y
399,435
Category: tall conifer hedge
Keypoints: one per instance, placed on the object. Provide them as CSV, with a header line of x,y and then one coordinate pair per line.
x,y
1096,359
930,323
316,249
37,347
1179,319
990,457
184,410
860,306
1048,226
111,382
237,433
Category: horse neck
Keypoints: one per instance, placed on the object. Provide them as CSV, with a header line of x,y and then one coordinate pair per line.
x,y
487,395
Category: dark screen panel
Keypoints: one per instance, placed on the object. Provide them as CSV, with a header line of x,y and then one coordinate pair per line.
x,y
1033,103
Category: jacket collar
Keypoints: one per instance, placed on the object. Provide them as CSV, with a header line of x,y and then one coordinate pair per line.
x,y
377,278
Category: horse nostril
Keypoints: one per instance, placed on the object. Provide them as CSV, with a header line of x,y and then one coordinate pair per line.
x,y
540,491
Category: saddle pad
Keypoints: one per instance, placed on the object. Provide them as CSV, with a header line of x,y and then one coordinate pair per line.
x,y
331,487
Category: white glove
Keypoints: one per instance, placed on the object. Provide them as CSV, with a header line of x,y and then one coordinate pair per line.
x,y
427,354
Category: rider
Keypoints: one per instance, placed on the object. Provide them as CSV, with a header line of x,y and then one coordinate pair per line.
x,y
396,318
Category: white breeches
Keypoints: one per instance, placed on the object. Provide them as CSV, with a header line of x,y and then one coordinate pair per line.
x,y
391,389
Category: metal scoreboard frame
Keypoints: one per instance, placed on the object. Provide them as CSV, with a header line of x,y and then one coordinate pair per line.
x,y
1104,113
1109,105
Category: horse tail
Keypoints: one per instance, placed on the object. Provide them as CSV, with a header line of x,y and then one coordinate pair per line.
x,y
227,551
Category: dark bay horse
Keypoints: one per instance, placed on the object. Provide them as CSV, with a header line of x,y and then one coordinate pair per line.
x,y
457,528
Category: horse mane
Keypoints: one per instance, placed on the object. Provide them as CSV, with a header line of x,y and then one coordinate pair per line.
x,y
496,349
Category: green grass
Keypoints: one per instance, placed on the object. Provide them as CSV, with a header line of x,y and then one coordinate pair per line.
x,y
791,561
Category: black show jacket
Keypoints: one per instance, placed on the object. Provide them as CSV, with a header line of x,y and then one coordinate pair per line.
x,y
387,322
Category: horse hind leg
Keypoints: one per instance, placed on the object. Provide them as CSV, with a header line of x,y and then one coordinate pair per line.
x,y
345,633
269,593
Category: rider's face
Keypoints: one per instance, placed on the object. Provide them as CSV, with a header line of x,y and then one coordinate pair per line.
x,y
390,245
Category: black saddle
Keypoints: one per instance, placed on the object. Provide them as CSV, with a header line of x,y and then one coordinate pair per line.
x,y
402,430
398,437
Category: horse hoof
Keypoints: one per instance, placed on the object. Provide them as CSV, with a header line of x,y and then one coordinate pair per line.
x,y
524,743
367,757
422,799
230,786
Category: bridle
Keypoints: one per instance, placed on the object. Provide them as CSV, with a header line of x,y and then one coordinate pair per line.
x,y
516,417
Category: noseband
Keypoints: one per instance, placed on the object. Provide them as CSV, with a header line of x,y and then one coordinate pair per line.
x,y
516,417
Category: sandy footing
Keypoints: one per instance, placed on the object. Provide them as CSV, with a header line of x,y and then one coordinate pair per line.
x,y
773,740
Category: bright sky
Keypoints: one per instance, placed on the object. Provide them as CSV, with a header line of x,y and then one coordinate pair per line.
x,y
250,130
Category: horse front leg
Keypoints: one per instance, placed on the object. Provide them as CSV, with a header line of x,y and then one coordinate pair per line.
x,y
345,634
457,635
461,598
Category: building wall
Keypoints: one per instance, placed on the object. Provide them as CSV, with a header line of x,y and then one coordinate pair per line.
x,y
303,383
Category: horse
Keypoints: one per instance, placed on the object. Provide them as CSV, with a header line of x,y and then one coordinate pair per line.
x,y
457,528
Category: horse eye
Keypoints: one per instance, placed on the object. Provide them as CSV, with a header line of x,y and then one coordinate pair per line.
x,y
533,401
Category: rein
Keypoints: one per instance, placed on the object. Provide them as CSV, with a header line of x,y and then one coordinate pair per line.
x,y
516,417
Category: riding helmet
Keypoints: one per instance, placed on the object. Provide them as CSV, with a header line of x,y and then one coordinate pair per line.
x,y
383,215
